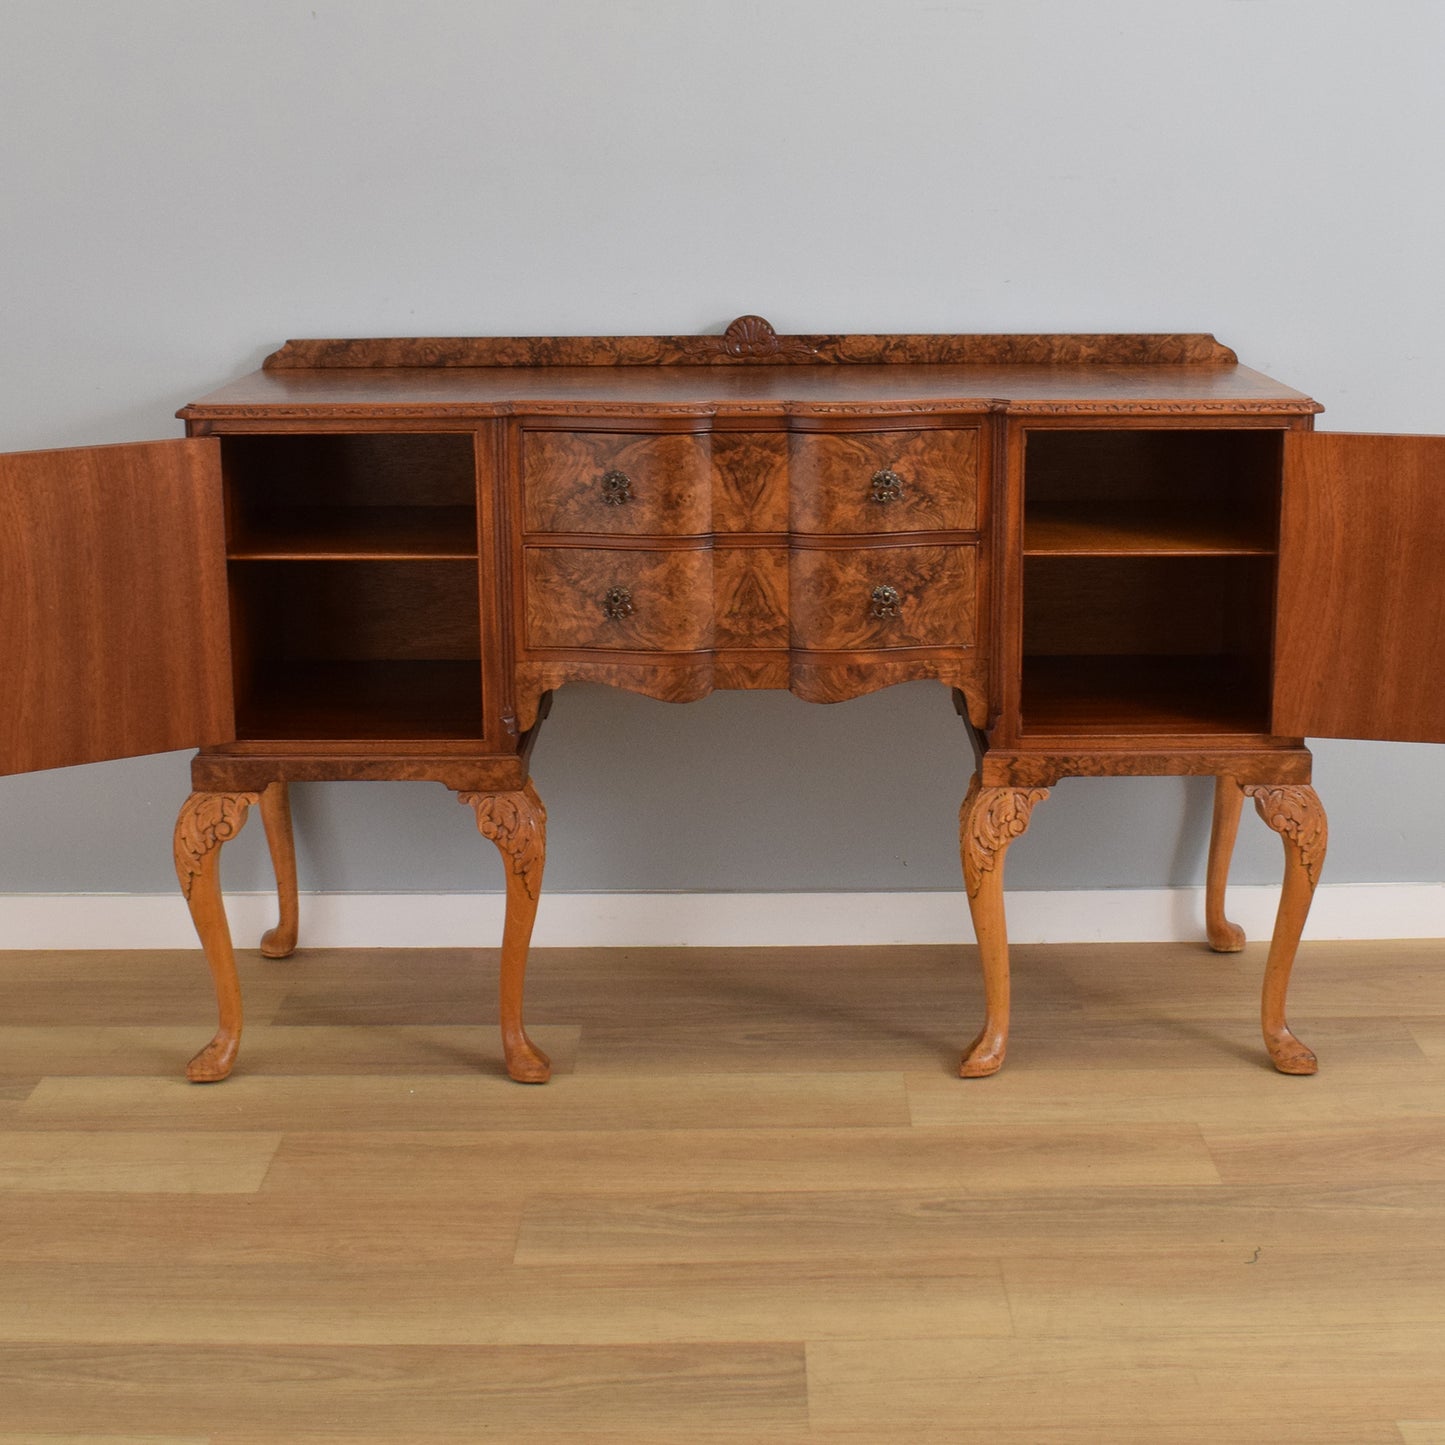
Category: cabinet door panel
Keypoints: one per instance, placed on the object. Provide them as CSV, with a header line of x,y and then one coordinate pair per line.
x,y
113,619
1360,628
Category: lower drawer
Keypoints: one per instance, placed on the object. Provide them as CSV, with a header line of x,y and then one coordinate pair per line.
x,y
867,598
623,599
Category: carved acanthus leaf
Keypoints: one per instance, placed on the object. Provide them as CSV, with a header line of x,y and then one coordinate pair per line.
x,y
1298,816
989,820
517,824
206,821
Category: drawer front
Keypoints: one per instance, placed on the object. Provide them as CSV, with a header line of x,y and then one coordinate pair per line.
x,y
887,481
616,483
864,598
618,599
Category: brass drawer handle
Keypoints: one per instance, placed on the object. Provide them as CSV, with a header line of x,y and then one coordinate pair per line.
x,y
886,486
617,603
616,488
885,602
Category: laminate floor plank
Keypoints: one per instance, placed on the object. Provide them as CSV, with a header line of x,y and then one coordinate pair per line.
x,y
1352,978
1352,1089
904,1226
1422,1432
483,1303
384,1391
135,1162
1221,1288
1429,1033
1294,1386
268,1050
471,1099
51,1439
128,986
1409,1150
973,1160
180,1234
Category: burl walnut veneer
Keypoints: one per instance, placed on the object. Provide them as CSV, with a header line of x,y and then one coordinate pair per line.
x,y
377,559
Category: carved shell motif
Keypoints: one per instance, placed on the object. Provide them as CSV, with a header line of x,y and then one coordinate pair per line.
x,y
753,337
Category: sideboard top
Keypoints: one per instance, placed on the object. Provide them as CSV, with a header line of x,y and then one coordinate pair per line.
x,y
750,368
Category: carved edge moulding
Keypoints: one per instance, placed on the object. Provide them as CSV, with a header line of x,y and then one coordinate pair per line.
x,y
752,339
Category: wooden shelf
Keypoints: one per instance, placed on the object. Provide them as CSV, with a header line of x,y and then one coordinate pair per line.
x,y
368,534
368,700
1094,529
1142,694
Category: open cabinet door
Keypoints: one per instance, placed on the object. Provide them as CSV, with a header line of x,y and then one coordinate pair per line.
x,y
1360,625
114,637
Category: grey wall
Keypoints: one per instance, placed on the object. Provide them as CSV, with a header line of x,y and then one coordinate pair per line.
x,y
186,183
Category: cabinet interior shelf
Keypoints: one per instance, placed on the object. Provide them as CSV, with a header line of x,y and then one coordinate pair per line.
x,y
355,533
1069,695
1100,529
367,699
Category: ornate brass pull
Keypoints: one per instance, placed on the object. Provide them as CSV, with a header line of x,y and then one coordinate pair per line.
x,y
886,486
885,602
617,603
616,488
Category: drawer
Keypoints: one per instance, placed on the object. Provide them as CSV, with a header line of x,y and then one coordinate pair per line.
x,y
885,481
864,598
624,599
616,483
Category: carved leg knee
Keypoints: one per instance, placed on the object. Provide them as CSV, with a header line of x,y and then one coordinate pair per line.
x,y
206,821
988,822
1295,813
517,824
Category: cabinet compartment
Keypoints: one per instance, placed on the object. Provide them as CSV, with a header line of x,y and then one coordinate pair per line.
x,y
1146,644
373,495
1148,579
356,649
1168,492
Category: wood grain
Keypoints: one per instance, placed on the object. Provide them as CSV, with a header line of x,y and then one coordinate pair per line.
x,y
832,589
1360,657
669,483
752,339
669,594
103,658
750,597
137,1163
832,481
750,481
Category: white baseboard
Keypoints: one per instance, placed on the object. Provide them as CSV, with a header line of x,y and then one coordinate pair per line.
x,y
715,920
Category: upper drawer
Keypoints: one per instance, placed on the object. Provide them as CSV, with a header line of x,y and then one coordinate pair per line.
x,y
616,483
885,481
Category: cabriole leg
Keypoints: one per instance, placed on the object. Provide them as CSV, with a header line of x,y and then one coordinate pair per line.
x,y
517,824
990,819
206,821
1296,815
1224,936
279,942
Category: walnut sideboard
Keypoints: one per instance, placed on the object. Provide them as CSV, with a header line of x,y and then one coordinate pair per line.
x,y
1124,554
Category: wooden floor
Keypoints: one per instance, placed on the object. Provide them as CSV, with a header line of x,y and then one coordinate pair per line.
x,y
754,1205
